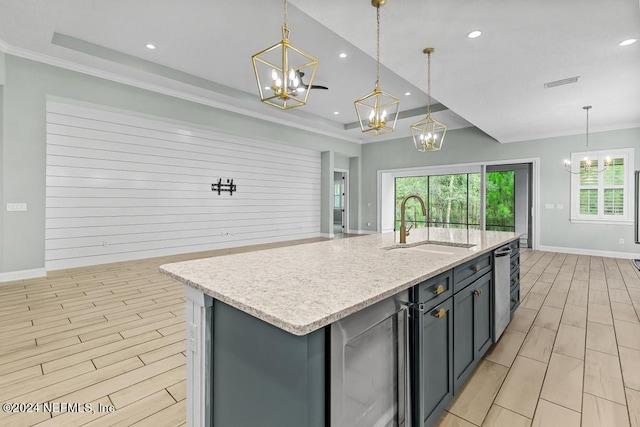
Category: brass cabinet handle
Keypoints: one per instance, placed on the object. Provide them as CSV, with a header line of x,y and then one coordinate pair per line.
x,y
438,290
439,313
475,267
478,292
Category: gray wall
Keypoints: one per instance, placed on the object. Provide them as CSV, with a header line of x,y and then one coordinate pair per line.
x,y
340,161
471,145
28,84
2,181
22,157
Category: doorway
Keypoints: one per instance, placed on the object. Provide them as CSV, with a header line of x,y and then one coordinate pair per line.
x,y
340,185
509,199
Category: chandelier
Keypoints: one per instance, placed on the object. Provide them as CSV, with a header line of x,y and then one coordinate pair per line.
x,y
428,134
377,111
279,70
587,165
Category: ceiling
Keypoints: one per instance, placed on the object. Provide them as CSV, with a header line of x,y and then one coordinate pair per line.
x,y
495,82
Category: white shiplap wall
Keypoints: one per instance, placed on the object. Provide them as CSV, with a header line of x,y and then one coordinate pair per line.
x,y
121,187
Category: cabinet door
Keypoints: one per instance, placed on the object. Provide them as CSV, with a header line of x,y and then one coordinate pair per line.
x,y
482,316
433,360
472,327
463,349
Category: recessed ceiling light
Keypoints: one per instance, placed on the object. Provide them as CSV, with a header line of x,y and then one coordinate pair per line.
x,y
475,33
627,42
150,46
407,93
336,113
343,55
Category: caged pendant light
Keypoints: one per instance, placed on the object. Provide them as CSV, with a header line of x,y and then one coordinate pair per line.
x,y
377,111
428,134
587,165
279,70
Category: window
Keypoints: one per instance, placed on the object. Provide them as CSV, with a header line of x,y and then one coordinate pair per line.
x,y
603,197
337,195
451,201
501,201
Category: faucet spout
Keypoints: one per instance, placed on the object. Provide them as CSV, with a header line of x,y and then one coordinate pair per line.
x,y
404,231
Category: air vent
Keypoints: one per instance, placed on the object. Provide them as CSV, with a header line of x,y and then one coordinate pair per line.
x,y
561,82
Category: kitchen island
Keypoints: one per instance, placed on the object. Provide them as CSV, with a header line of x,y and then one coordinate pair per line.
x,y
257,321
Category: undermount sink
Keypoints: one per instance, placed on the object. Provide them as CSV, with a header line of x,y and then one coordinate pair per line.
x,y
431,246
432,249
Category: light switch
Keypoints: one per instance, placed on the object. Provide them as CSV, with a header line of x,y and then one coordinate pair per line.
x,y
548,206
559,206
16,207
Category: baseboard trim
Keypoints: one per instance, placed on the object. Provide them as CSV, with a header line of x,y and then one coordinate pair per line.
x,y
362,232
591,252
23,274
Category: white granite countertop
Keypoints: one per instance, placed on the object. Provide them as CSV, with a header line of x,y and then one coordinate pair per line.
x,y
303,288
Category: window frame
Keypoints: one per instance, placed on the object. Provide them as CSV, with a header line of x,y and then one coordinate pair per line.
x,y
429,221
627,154
337,197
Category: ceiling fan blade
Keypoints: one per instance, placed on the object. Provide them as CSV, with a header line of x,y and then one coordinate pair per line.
x,y
306,86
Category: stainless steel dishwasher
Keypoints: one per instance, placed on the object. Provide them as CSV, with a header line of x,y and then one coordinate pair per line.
x,y
501,296
369,366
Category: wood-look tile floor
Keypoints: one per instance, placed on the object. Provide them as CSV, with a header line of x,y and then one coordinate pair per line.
x,y
106,335
113,335
571,354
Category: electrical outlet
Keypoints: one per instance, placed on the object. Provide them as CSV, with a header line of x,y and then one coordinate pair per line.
x,y
192,337
621,241
16,207
548,206
559,206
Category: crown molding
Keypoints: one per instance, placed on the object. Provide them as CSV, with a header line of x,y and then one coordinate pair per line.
x,y
223,102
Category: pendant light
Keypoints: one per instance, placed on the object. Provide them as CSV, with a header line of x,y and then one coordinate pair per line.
x,y
279,70
428,134
587,165
377,111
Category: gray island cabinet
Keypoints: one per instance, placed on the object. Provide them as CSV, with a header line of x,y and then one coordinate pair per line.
x,y
259,326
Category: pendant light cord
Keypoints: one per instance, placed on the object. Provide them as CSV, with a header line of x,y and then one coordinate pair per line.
x,y
285,13
429,84
378,46
587,131
587,108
